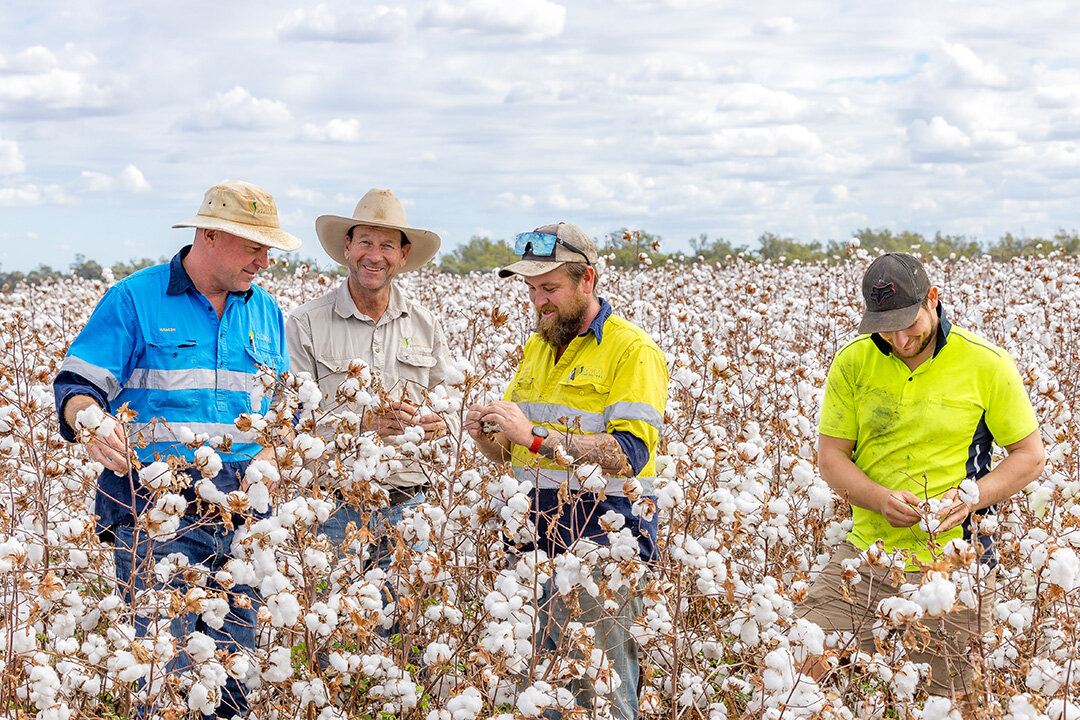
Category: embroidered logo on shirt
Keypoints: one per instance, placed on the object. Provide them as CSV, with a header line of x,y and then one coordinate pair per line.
x,y
586,373
413,344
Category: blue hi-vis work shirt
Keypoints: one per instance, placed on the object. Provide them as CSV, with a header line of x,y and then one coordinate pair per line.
x,y
156,343
610,379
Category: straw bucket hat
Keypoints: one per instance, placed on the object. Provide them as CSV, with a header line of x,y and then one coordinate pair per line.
x,y
245,210
378,208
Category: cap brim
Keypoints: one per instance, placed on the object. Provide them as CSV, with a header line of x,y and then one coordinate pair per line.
x,y
889,320
332,231
530,268
271,237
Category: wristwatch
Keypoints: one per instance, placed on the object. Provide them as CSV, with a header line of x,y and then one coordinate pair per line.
x,y
539,432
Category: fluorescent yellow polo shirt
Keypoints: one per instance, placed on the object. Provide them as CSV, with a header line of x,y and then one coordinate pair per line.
x,y
927,430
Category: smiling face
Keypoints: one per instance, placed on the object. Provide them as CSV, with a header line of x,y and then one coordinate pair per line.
x,y
374,255
235,260
562,305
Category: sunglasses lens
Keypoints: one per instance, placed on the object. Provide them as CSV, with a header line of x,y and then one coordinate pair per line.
x,y
542,243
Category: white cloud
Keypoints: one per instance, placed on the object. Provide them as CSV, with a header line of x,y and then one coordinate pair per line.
x,y
130,179
370,25
536,19
512,201
775,26
305,196
236,108
342,131
756,103
834,194
963,67
38,77
937,136
11,159
679,67
30,195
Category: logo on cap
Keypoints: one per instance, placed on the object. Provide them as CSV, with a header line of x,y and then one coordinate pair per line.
x,y
881,293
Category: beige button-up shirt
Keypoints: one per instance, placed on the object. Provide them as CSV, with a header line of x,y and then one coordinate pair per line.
x,y
405,348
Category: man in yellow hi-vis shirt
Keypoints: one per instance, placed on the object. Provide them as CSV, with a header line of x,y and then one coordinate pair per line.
x,y
590,391
911,409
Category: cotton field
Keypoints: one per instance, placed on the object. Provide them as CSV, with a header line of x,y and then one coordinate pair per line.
x,y
746,521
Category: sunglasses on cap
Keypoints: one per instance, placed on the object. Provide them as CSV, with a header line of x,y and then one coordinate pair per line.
x,y
543,245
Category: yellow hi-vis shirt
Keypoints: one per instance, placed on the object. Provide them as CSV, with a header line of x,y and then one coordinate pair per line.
x,y
618,382
923,431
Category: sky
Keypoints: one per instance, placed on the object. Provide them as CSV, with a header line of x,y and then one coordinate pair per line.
x,y
810,119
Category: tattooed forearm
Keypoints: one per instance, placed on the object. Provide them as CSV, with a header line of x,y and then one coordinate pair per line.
x,y
603,450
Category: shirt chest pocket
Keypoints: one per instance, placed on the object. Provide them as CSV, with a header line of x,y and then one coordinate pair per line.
x,y
330,373
415,365
589,397
171,377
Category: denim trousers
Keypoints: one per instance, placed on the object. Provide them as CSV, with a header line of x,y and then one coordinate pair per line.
x,y
611,630
208,544
380,521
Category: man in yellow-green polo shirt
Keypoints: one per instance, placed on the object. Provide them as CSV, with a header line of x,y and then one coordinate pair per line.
x,y
911,410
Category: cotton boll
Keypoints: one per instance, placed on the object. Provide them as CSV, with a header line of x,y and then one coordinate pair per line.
x,y
968,492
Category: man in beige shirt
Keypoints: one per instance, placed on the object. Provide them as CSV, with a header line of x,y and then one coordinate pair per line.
x,y
367,318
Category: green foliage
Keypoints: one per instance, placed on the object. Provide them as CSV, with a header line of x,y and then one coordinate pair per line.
x,y
630,248
774,247
716,250
480,253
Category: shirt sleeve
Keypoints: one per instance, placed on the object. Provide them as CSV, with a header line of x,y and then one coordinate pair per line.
x,y
838,418
298,338
1009,415
636,403
100,359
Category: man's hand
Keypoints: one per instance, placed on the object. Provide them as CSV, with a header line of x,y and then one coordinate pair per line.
x,y
109,448
953,512
515,426
394,418
900,508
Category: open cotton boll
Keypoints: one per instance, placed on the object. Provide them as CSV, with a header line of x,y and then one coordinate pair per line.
x,y
156,476
968,492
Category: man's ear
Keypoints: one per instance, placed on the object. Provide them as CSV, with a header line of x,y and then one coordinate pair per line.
x,y
932,297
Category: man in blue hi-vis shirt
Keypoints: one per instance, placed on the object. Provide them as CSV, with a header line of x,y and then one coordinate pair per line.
x,y
181,344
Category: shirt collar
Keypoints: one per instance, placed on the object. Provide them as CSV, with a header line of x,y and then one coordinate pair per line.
x,y
597,325
180,281
943,330
345,307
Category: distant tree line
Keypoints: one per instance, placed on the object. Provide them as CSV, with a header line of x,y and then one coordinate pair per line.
x,y
93,270
631,248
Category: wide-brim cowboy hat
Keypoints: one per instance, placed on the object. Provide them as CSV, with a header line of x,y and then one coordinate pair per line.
x,y
245,210
378,208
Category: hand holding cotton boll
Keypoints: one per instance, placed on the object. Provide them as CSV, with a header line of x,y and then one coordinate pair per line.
x,y
103,438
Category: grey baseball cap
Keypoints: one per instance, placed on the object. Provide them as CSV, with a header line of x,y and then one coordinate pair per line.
x,y
893,288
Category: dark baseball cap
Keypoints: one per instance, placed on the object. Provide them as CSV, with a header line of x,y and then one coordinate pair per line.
x,y
893,288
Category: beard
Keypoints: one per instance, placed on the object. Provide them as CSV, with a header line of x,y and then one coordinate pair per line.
x,y
564,325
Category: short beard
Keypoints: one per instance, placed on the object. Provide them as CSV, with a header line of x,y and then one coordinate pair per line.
x,y
558,330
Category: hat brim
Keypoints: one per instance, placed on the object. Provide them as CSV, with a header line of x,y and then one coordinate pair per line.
x,y
889,320
530,268
332,231
271,237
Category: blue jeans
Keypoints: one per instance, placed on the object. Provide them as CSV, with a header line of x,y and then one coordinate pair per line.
x,y
380,523
206,543
611,633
